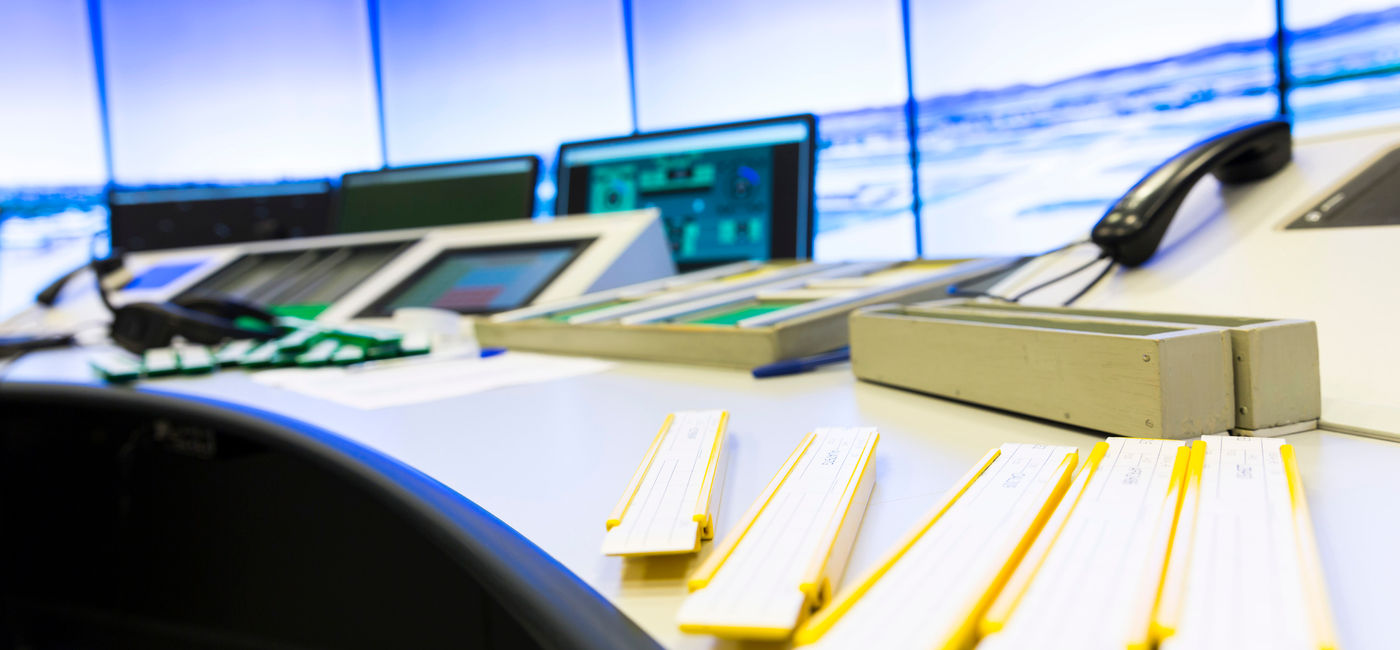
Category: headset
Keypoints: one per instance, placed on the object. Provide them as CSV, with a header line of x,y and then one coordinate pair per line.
x,y
207,319
204,319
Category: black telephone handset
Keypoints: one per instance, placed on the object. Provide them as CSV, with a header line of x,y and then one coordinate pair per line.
x,y
1133,228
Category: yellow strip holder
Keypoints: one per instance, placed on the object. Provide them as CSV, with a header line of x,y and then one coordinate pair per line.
x,y
826,618
702,512
1166,615
1010,599
825,567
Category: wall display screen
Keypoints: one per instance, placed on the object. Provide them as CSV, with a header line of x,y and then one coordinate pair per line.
x,y
238,92
1030,127
1028,119
1344,64
471,79
843,60
438,195
481,280
734,192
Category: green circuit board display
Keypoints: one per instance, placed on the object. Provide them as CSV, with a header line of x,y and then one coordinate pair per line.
x,y
732,314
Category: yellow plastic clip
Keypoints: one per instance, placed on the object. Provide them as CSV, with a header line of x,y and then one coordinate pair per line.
x,y
720,553
636,483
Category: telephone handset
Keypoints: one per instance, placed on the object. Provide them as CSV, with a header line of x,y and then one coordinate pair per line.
x,y
1131,230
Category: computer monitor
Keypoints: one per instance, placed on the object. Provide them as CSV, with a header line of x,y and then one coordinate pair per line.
x,y
175,217
299,282
438,195
482,280
726,192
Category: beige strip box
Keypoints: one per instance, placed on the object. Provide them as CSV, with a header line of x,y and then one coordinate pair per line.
x,y
1278,389
1149,380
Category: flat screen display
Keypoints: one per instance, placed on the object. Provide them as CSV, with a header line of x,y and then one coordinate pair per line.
x,y
438,195
730,192
173,217
481,280
298,283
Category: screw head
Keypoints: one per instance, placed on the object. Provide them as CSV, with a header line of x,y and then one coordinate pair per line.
x,y
1146,358
1148,422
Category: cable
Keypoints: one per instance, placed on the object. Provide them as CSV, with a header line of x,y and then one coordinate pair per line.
x,y
1092,283
957,293
1058,278
101,288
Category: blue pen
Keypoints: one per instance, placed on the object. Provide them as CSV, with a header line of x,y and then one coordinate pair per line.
x,y
803,364
491,352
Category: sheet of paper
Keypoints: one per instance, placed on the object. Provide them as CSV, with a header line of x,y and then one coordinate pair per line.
x,y
932,593
425,379
759,586
1104,564
1244,582
660,518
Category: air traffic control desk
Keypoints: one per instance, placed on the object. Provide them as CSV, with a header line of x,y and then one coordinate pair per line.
x,y
550,459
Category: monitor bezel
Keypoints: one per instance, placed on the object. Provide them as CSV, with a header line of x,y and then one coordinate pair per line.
x,y
804,226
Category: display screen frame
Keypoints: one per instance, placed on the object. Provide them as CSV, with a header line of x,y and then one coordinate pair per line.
x,y
792,228
349,179
379,307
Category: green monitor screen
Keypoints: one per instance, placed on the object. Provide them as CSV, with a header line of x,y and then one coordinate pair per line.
x,y
438,195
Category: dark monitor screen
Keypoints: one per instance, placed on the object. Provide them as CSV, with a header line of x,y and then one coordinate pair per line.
x,y
481,280
439,195
728,192
175,217
299,282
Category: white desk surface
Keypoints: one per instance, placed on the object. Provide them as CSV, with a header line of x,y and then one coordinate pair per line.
x,y
551,459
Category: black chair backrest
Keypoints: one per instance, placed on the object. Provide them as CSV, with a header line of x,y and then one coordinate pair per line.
x,y
139,519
